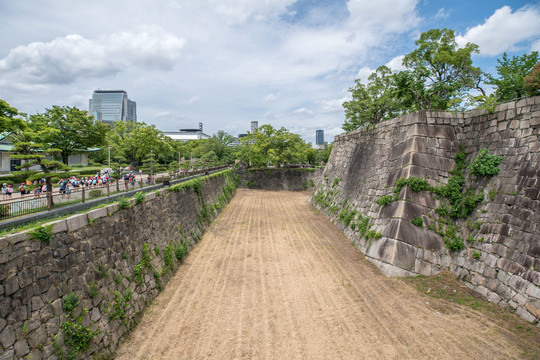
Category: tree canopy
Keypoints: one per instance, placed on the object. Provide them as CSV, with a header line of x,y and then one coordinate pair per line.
x,y
77,131
372,103
511,74
268,145
439,75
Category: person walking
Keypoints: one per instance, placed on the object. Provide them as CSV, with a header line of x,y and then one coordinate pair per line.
x,y
68,190
63,184
22,190
4,191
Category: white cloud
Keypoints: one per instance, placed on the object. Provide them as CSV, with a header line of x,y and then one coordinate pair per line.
x,y
239,11
193,100
442,14
271,97
383,16
395,64
504,30
162,114
64,60
332,106
303,112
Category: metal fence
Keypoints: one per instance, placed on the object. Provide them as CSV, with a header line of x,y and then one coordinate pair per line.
x,y
37,203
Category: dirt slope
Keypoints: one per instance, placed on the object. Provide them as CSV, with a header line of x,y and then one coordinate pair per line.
x,y
273,279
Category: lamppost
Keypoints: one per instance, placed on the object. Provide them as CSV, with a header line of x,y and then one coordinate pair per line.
x,y
109,158
179,163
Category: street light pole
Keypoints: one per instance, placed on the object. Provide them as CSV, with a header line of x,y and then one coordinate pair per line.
x,y
109,157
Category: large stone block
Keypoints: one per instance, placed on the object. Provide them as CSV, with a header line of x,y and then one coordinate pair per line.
x,y
76,222
393,252
408,233
97,213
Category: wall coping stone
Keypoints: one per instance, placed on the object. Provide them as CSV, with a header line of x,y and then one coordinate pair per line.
x,y
76,222
150,196
97,213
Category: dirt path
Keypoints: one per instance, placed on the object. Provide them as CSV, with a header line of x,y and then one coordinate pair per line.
x,y
273,279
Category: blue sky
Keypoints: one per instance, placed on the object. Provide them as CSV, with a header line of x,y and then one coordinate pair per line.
x,y
228,62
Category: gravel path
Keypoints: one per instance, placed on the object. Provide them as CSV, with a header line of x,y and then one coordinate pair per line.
x,y
273,279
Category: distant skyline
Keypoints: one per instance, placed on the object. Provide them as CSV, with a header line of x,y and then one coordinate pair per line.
x,y
226,63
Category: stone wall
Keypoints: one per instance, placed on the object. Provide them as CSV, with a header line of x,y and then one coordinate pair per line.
x,y
501,258
97,256
293,179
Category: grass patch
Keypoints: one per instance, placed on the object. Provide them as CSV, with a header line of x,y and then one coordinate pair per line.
x,y
447,294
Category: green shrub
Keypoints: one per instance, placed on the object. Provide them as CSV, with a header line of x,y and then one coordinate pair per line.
x,y
485,164
77,337
139,197
385,200
71,301
180,251
93,290
476,255
120,304
123,203
42,234
168,256
418,221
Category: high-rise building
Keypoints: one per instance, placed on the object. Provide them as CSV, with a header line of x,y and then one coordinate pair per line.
x,y
319,137
254,126
109,106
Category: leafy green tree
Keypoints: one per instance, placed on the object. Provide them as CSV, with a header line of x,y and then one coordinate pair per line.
x,y
220,146
9,119
277,146
77,131
439,72
511,74
133,141
30,144
531,82
372,103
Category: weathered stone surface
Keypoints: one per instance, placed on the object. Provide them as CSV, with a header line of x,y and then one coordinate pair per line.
x,y
76,222
96,214
7,337
393,252
35,278
368,164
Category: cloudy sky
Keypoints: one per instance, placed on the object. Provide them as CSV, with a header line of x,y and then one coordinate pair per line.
x,y
228,62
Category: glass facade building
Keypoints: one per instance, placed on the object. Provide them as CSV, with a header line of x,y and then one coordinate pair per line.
x,y
109,106
319,137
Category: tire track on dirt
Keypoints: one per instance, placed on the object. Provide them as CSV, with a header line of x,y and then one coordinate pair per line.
x,y
219,283
323,298
329,262
193,274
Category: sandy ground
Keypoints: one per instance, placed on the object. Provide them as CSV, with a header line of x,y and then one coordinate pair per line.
x,y
273,279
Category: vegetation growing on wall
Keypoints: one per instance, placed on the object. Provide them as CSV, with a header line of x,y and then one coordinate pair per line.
x,y
457,201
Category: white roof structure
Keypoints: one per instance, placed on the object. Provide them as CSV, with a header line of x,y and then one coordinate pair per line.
x,y
187,134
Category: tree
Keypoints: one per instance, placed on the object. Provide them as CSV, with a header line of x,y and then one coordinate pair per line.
x,y
277,146
372,103
511,74
531,82
220,145
438,71
9,120
77,131
133,141
31,145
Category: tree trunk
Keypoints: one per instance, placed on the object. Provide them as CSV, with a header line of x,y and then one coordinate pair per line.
x,y
49,191
65,159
